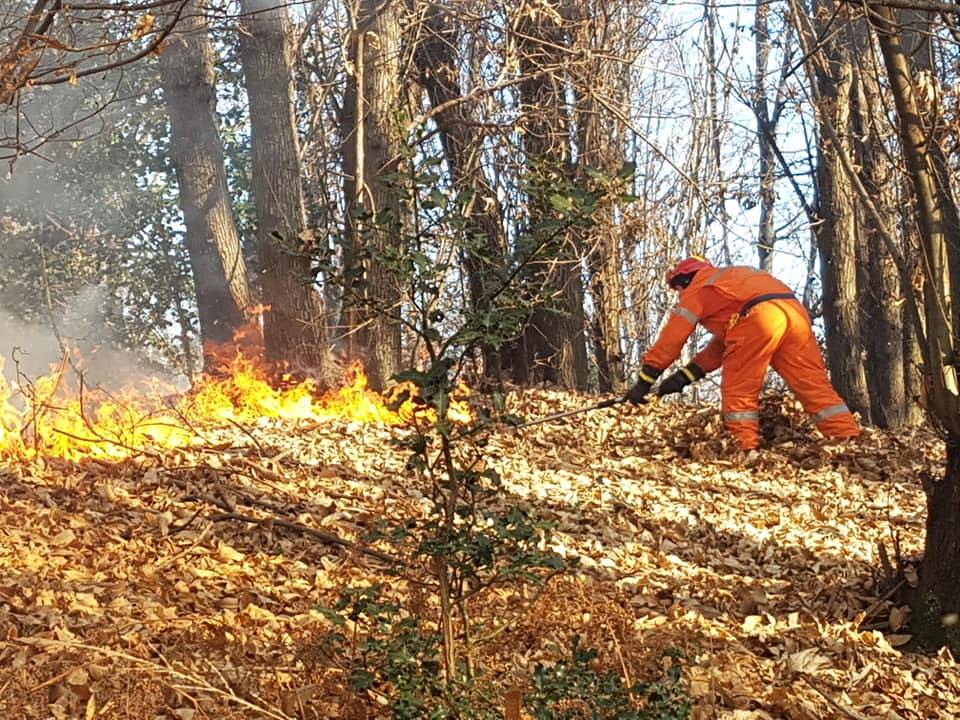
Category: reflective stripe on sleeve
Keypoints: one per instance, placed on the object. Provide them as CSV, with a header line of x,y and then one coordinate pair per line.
x,y
685,314
829,412
716,276
689,374
742,416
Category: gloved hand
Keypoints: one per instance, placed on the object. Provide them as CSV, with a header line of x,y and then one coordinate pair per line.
x,y
648,376
638,393
680,379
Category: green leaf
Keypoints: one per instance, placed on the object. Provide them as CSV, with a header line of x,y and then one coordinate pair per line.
x,y
438,198
554,562
628,170
332,615
561,203
362,679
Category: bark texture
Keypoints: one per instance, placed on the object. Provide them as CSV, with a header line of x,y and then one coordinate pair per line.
x,y
216,257
552,348
372,299
839,229
293,326
880,298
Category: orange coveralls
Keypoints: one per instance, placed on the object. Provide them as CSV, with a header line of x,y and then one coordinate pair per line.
x,y
751,333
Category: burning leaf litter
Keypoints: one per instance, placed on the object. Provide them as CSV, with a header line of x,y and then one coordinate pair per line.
x,y
130,589
60,419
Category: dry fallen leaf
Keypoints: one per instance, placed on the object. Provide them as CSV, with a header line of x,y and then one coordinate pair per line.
x,y
756,574
144,25
898,640
898,617
63,538
807,661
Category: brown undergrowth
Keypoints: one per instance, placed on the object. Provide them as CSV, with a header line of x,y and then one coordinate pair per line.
x,y
187,585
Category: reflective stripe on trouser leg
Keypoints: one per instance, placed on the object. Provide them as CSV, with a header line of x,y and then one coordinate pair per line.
x,y
827,413
742,416
837,421
745,427
800,362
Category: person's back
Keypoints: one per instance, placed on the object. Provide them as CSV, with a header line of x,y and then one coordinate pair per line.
x,y
743,283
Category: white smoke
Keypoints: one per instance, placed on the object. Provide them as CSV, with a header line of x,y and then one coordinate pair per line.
x,y
81,333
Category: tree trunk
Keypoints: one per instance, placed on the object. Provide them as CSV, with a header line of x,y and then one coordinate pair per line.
x,y
881,319
437,63
766,137
937,603
935,619
882,328
607,291
372,301
601,141
768,162
216,259
918,30
932,216
912,369
293,328
837,233
552,347
836,240
715,130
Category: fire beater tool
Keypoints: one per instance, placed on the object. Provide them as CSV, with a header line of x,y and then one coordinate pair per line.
x,y
596,406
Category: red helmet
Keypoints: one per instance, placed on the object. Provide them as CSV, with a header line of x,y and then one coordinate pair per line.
x,y
686,267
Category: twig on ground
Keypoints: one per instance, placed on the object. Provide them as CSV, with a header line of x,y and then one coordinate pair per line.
x,y
163,562
272,475
249,434
319,535
195,683
324,537
180,528
872,610
843,709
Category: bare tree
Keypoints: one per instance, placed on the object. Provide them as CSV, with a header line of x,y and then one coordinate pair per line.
x,y
372,302
839,224
604,32
768,112
293,326
937,604
552,347
881,321
216,258
49,42
462,136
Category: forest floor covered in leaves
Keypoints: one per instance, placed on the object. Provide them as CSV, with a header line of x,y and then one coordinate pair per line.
x,y
183,585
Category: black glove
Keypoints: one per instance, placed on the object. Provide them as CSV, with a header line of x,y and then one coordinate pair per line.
x,y
680,379
648,376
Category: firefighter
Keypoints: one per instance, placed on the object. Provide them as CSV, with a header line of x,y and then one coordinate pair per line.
x,y
757,322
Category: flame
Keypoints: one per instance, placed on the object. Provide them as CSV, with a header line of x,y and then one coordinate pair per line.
x,y
78,423
9,418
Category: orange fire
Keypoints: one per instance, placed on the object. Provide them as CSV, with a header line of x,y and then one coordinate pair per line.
x,y
78,424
